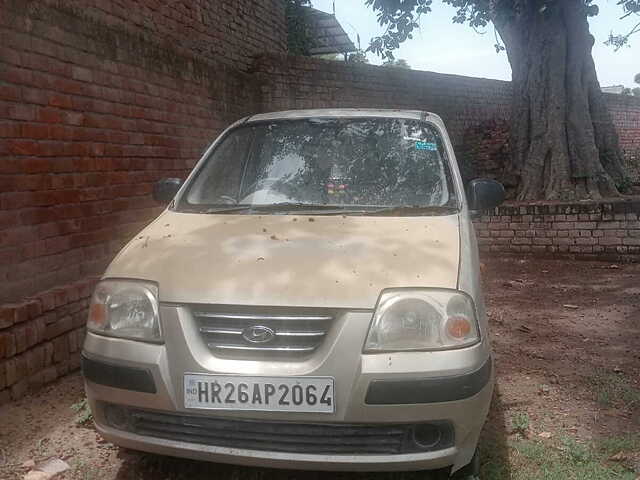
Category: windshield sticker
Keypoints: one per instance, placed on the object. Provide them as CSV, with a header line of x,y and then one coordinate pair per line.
x,y
426,146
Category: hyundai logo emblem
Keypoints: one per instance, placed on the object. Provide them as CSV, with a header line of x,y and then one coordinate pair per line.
x,y
258,334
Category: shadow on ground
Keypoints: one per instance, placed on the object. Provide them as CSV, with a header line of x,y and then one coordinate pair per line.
x,y
494,446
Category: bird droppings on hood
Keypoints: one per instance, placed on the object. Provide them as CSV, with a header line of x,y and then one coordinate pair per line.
x,y
264,230
167,224
312,219
294,219
146,242
260,259
273,237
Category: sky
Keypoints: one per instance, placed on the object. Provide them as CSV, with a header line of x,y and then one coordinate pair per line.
x,y
445,47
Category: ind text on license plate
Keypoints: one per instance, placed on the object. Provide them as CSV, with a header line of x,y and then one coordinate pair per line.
x,y
287,394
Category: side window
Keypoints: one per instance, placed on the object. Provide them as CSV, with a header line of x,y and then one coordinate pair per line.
x,y
222,173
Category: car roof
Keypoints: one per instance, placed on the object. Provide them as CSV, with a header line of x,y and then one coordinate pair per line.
x,y
345,113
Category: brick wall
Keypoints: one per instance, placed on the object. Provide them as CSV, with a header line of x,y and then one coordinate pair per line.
x,y
100,98
475,110
605,231
41,338
625,110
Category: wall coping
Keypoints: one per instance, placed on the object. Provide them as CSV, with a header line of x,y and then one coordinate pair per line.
x,y
614,205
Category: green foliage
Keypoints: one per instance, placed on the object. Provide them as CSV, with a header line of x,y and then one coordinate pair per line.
x,y
358,57
614,389
625,443
397,63
567,460
520,423
299,39
83,410
401,18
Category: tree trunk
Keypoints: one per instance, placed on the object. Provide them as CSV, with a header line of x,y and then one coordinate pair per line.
x,y
563,141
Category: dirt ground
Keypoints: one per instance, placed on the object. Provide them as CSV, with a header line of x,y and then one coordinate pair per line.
x,y
566,337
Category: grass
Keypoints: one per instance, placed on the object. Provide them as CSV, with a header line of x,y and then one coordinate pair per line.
x,y
520,423
83,410
614,390
565,459
626,443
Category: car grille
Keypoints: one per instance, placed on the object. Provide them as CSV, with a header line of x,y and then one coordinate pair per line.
x,y
281,436
228,333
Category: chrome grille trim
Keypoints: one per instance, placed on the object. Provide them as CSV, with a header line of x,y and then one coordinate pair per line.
x,y
297,333
261,349
281,333
234,316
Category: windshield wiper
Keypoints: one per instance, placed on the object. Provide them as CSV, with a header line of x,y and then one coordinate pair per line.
x,y
273,207
227,209
312,208
413,210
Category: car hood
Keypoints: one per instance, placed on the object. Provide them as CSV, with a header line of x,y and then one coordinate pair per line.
x,y
284,260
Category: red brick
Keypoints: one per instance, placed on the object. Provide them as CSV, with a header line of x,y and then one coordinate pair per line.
x,y
31,331
23,147
59,327
48,301
35,360
10,92
3,375
13,313
60,349
60,101
20,334
19,111
34,130
50,115
48,353
7,344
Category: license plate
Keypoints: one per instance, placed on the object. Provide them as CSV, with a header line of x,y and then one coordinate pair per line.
x,y
279,394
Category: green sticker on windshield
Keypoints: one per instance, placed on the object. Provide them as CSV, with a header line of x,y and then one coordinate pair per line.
x,y
426,146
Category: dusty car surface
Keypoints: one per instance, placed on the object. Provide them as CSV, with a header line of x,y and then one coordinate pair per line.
x,y
310,299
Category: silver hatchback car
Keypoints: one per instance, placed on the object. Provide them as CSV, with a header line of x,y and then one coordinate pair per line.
x,y
310,299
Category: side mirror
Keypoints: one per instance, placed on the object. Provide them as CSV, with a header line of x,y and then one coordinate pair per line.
x,y
484,194
164,190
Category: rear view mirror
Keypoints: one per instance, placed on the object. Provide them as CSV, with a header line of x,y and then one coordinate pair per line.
x,y
164,190
484,194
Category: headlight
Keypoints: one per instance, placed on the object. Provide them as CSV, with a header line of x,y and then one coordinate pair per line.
x,y
125,309
422,319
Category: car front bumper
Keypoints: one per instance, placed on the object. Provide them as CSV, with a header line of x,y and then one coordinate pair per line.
x,y
406,388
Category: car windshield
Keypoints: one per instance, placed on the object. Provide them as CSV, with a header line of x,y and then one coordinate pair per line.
x,y
367,164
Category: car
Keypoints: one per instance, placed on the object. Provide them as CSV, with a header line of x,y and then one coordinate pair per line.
x,y
309,299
